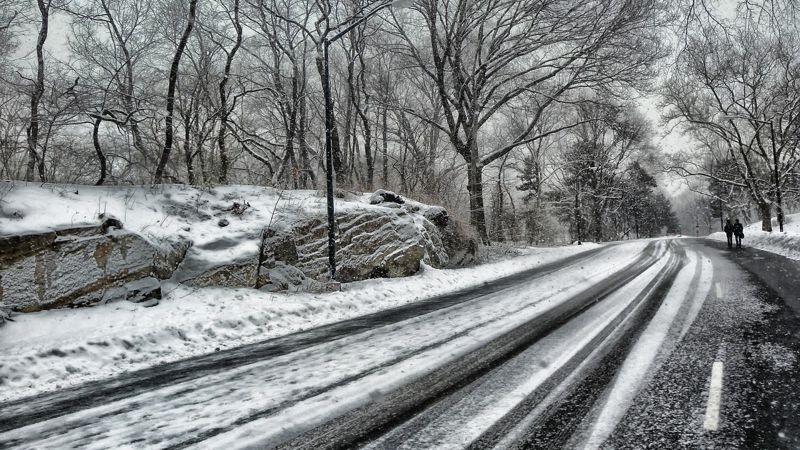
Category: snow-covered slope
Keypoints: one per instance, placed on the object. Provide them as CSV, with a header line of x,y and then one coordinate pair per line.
x,y
786,243
165,212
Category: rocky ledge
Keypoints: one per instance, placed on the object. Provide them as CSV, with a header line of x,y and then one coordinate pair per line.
x,y
82,266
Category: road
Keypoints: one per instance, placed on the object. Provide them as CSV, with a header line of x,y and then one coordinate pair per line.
x,y
649,344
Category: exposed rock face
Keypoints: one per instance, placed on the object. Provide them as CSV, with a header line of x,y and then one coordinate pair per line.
x,y
74,267
460,247
370,244
104,263
437,215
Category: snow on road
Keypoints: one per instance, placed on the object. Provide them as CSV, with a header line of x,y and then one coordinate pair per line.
x,y
461,423
786,243
674,316
56,349
282,396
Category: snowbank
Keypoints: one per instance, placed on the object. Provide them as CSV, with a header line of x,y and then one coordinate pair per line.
x,y
55,349
786,243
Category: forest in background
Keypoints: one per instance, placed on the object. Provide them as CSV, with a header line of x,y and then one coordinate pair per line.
x,y
520,117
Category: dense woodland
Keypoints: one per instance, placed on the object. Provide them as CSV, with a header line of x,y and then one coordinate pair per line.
x,y
519,116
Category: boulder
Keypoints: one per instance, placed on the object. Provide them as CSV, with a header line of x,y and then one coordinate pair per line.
x,y
70,267
461,248
370,244
384,196
82,266
283,277
241,273
142,290
168,257
437,215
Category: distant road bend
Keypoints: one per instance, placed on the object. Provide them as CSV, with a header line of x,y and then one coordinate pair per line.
x,y
557,356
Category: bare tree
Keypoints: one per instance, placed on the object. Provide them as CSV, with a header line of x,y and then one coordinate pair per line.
x,y
485,56
738,85
173,81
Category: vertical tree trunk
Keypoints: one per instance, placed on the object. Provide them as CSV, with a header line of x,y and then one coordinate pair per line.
x,y
223,97
765,213
128,100
101,157
36,94
173,81
188,155
476,207
385,159
597,219
336,150
307,175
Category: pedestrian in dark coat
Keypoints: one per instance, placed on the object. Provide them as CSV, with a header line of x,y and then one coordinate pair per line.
x,y
738,231
729,232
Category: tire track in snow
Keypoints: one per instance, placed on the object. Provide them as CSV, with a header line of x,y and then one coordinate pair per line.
x,y
641,361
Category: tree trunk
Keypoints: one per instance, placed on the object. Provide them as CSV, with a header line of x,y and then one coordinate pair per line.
x,y
765,213
173,81
306,174
38,90
597,218
223,97
476,209
335,146
188,155
385,162
100,156
128,101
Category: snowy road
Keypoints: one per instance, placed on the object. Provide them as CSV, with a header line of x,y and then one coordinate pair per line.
x,y
596,350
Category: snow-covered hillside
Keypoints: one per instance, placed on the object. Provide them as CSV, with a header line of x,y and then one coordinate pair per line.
x,y
786,243
166,212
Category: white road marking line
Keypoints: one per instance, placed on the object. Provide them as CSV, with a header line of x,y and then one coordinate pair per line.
x,y
719,290
714,398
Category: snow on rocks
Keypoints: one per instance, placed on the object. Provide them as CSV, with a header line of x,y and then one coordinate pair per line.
x,y
71,267
206,237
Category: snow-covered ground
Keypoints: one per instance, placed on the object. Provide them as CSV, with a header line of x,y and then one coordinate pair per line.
x,y
55,349
304,388
786,243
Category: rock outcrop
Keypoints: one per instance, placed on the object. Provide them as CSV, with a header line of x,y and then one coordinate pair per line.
x,y
371,243
80,266
390,237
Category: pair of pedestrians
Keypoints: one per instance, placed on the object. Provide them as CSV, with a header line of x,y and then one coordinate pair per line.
x,y
734,229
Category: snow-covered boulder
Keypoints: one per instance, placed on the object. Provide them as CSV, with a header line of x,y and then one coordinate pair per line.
x,y
437,215
370,244
274,240
68,267
382,196
78,266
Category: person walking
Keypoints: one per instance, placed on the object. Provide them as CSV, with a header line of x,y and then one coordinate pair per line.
x,y
729,232
738,231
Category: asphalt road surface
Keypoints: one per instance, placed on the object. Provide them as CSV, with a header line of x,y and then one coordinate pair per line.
x,y
665,344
